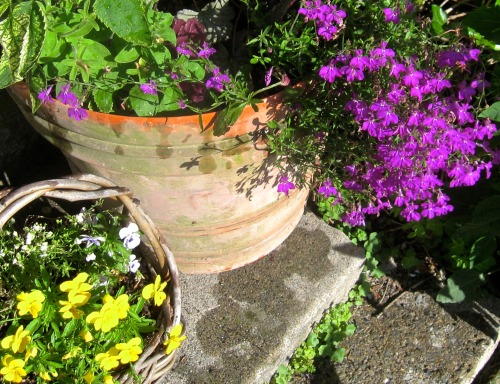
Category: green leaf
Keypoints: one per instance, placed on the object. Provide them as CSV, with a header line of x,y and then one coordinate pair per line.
x,y
143,104
193,69
127,54
125,18
37,82
338,355
439,19
493,112
52,47
161,27
226,118
482,252
170,99
103,99
462,285
22,35
486,22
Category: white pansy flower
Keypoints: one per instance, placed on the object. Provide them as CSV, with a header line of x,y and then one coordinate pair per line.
x,y
130,236
133,264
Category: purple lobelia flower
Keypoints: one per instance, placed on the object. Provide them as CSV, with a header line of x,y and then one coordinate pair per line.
x,y
44,95
149,88
285,185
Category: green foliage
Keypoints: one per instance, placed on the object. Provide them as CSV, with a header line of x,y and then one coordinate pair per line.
x,y
483,24
325,339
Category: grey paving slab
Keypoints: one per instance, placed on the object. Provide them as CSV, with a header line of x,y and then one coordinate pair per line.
x,y
242,324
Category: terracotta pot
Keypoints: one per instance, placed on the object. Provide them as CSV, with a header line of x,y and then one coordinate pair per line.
x,y
213,198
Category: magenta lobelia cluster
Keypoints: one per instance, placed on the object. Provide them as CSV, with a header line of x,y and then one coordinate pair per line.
x,y
416,115
66,97
426,135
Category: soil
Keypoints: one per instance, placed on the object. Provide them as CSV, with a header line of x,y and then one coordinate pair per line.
x,y
404,336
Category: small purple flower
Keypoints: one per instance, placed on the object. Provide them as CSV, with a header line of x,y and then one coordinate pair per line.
x,y
182,104
330,72
67,97
149,88
206,51
184,50
285,185
44,95
327,189
391,15
268,76
90,240
77,113
218,80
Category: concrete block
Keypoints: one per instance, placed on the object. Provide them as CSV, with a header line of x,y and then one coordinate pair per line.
x,y
242,324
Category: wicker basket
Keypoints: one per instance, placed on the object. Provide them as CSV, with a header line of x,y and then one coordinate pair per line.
x,y
153,363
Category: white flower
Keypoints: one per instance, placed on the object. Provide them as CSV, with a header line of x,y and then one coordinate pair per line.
x,y
133,264
29,238
90,257
130,236
37,227
44,246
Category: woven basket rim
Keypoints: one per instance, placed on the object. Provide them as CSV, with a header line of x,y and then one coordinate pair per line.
x,y
153,363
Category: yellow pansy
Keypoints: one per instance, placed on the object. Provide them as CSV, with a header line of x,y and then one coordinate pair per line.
x,y
45,376
105,319
69,311
130,351
71,353
78,284
78,298
108,360
30,352
13,369
86,335
18,341
108,379
174,340
30,303
155,290
88,377
120,304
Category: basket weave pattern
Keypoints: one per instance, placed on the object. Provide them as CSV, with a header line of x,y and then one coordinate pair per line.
x,y
153,363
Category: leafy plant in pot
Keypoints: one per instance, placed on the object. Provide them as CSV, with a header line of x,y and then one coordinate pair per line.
x,y
379,107
130,93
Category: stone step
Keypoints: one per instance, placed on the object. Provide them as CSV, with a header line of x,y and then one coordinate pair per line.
x,y
242,324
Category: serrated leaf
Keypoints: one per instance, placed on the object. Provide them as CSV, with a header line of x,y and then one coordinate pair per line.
x,y
143,104
103,99
125,18
36,81
6,75
492,112
226,118
462,285
22,35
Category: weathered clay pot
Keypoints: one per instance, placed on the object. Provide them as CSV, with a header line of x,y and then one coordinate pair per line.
x,y
213,198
